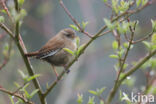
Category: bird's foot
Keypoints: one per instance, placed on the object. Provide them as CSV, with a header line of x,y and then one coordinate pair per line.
x,y
65,69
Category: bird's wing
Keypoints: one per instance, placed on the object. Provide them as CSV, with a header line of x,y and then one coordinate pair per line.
x,y
47,54
51,48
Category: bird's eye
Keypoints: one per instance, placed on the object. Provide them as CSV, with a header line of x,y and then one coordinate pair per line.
x,y
68,35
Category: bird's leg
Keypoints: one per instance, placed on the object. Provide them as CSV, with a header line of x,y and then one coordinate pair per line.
x,y
65,69
55,71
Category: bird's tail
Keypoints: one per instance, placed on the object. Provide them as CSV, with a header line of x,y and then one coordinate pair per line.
x,y
31,54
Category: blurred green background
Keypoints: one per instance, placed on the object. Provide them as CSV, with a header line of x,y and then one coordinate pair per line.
x,y
93,70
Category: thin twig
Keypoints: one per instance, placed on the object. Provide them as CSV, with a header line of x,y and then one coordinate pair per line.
x,y
16,95
7,30
2,2
73,19
144,38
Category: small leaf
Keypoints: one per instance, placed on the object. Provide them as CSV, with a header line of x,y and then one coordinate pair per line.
x,y
20,2
80,99
74,27
122,75
126,45
114,56
138,2
153,38
69,51
105,1
125,66
93,92
77,41
84,24
115,45
27,94
147,44
16,84
101,102
144,2
91,100
153,25
11,99
2,19
3,11
109,24
100,91
34,92
26,86
33,77
23,75
80,49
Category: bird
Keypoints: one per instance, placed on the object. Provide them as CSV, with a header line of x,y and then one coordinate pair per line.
x,y
53,51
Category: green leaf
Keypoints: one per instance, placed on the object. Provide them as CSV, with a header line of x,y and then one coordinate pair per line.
x,y
122,75
93,92
101,102
147,44
114,56
11,99
109,24
125,66
115,6
23,13
80,99
26,86
115,45
2,19
126,45
27,94
104,1
3,11
16,84
80,49
138,2
33,77
121,52
69,51
144,2
153,38
100,91
74,27
77,41
129,81
91,100
153,25
20,2
34,92
5,49
84,24
23,75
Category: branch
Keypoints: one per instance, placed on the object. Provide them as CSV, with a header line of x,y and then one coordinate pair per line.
x,y
7,30
16,95
74,20
20,44
130,72
138,65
